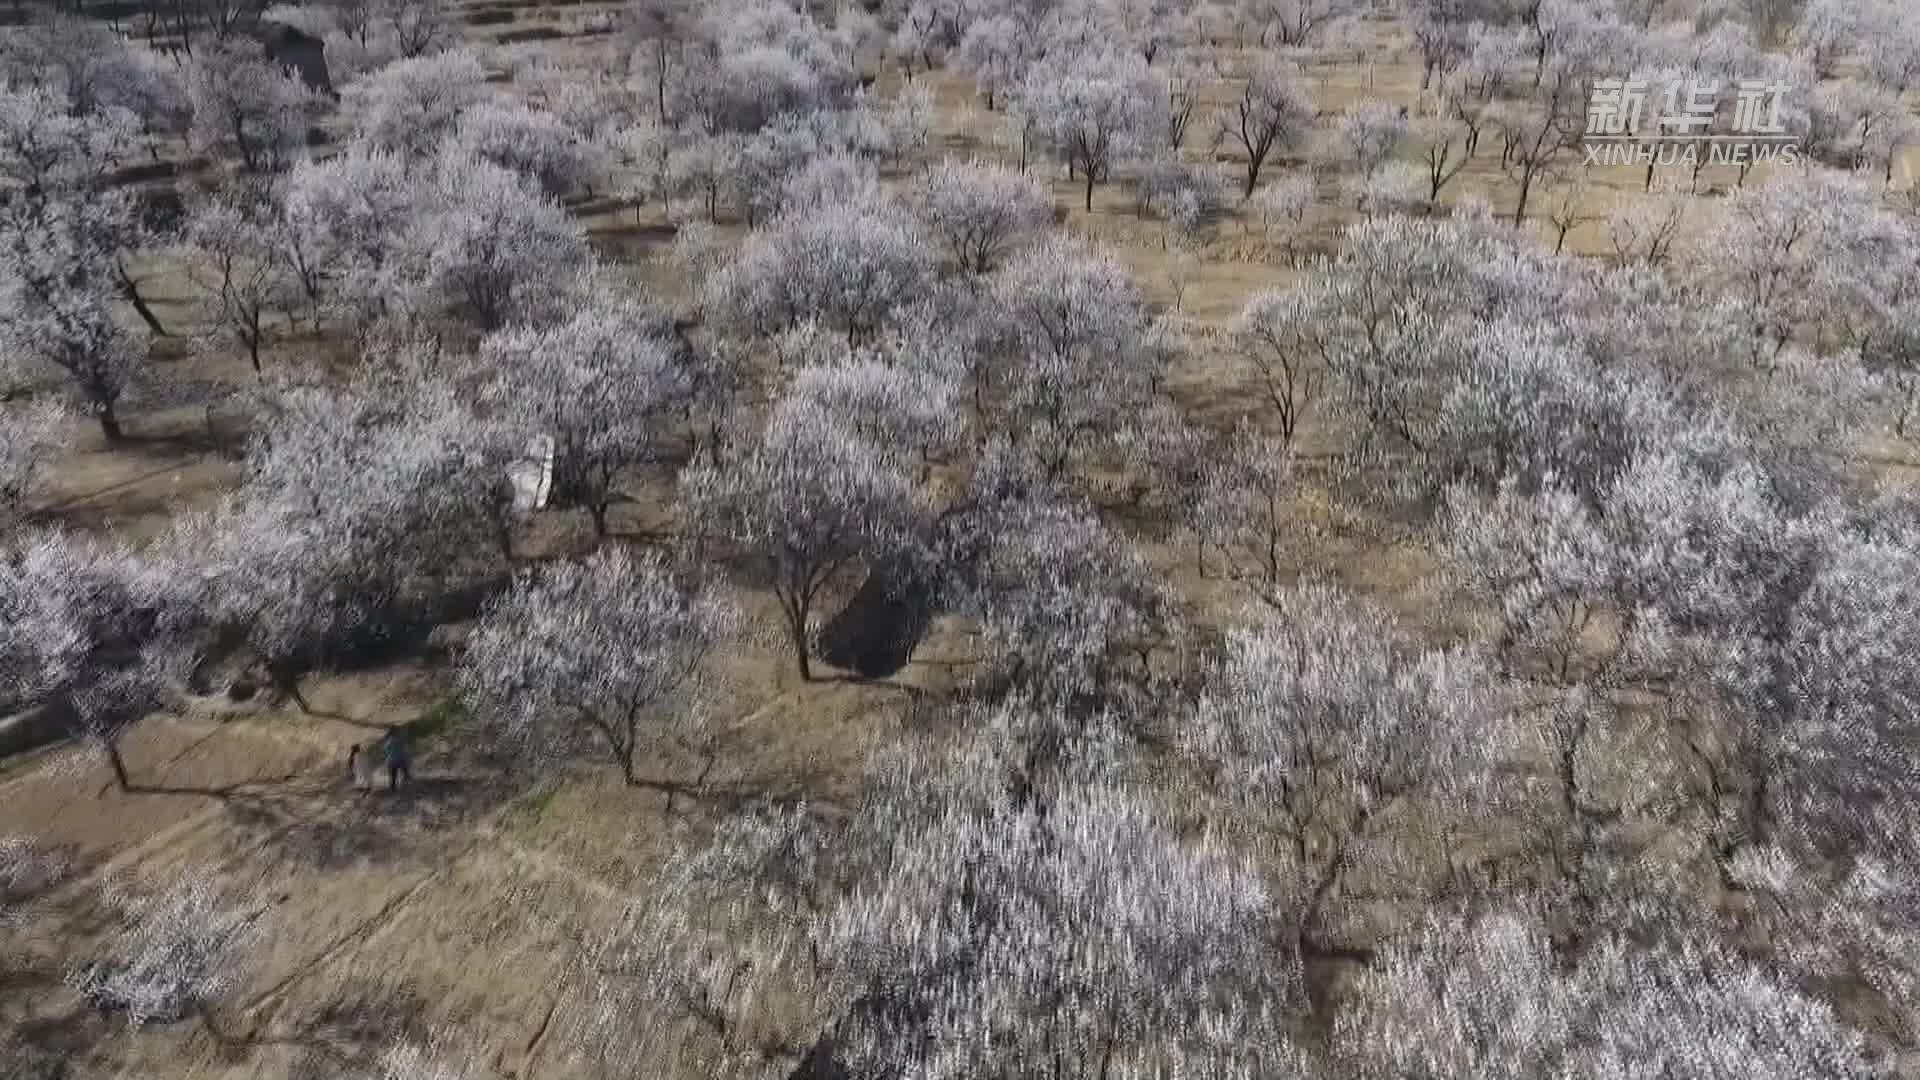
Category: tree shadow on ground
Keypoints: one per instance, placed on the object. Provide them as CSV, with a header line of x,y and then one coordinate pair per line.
x,y
332,827
346,1035
53,1044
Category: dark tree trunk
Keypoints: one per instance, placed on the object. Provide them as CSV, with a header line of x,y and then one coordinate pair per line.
x,y
797,633
131,291
1526,190
660,82
288,680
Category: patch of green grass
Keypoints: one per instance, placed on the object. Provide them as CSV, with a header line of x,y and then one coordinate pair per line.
x,y
435,720
528,810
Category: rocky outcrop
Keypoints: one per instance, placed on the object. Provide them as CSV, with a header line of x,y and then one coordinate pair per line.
x,y
298,50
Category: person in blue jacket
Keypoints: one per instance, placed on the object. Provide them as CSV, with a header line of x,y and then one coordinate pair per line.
x,y
399,762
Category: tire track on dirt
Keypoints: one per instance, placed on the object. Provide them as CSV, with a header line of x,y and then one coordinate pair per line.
x,y
356,932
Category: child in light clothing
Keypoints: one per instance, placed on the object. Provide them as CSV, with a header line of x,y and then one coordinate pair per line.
x,y
363,766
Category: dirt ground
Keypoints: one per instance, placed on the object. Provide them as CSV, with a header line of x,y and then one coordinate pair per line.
x,y
462,902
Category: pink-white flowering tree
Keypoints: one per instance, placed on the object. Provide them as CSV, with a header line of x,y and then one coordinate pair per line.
x,y
1321,721
44,640
483,242
1013,910
533,143
364,36
31,433
1281,207
1067,610
235,261
802,506
980,214
411,106
852,268
339,216
1247,508
1488,996
66,53
1093,111
1829,31
1274,336
1447,140
712,954
419,27
174,955
53,152
98,71
660,33
604,657
46,146
364,506
1645,230
646,155
1794,253
1367,134
26,871
997,52
607,385
1541,132
1296,23
902,402
1891,49
1440,29
247,109
1081,368
82,619
60,293
1192,73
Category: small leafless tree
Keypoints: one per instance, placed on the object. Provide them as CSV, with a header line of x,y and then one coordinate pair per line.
x,y
1247,509
1272,113
1645,230
236,264
1272,335
1540,132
